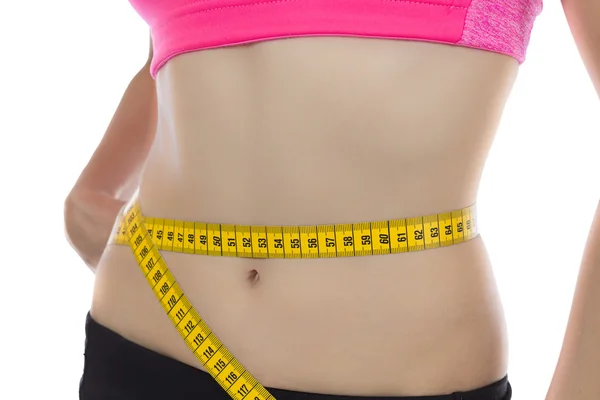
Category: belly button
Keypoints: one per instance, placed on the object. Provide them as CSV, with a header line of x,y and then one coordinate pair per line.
x,y
253,277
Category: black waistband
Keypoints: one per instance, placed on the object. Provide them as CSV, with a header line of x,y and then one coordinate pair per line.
x,y
118,369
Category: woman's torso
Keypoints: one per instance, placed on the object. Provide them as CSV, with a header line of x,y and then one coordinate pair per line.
x,y
309,131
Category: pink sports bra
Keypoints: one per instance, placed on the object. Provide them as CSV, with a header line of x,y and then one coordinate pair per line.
x,y
180,26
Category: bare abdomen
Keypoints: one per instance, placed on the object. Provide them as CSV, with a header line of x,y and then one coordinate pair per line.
x,y
279,133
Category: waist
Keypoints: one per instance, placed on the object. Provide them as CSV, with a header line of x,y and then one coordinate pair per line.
x,y
330,185
425,308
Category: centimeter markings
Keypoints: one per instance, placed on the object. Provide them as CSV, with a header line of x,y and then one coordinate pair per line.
x,y
322,241
140,233
201,340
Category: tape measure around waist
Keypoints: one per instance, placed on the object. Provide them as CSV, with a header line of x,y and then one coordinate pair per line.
x,y
322,241
411,234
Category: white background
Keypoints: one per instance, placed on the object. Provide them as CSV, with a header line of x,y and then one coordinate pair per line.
x,y
63,68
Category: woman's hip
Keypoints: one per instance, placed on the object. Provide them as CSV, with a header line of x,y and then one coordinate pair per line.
x,y
389,324
119,369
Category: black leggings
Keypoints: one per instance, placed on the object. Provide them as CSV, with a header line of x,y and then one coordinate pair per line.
x,y
117,369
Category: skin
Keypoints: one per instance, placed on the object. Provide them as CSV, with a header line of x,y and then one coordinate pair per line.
x,y
576,375
112,175
372,129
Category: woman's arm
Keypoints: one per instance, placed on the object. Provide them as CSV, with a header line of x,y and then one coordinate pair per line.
x,y
115,166
583,17
112,175
577,375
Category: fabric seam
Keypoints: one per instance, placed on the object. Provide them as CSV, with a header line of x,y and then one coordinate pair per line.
x,y
260,3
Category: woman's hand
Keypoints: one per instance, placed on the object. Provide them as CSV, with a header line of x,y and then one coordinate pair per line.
x,y
89,222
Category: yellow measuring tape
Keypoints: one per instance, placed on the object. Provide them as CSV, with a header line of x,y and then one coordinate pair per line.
x,y
340,240
146,236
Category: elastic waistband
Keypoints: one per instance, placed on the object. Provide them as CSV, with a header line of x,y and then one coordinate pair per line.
x,y
114,364
178,31
309,241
